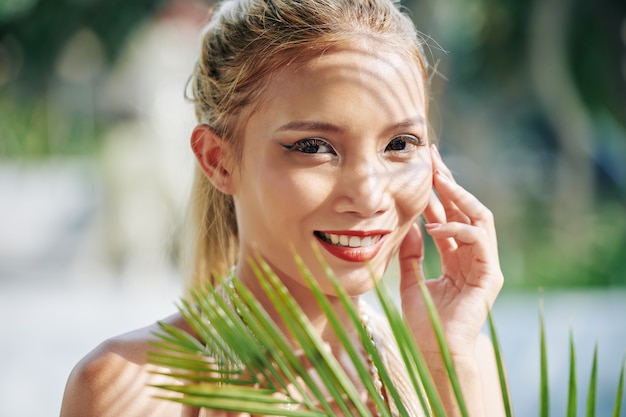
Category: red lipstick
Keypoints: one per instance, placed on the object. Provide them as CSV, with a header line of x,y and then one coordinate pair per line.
x,y
352,254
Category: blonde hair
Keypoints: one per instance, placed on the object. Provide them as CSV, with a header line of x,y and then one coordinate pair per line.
x,y
246,42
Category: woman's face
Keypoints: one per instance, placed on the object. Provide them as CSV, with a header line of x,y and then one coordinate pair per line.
x,y
336,155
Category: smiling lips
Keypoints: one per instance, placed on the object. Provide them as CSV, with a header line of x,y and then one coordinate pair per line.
x,y
352,246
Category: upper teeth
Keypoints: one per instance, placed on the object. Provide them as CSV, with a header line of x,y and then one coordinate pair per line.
x,y
351,241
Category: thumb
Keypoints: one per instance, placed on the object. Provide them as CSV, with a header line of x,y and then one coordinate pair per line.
x,y
410,258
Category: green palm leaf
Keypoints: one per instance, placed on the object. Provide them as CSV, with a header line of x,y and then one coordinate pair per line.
x,y
365,338
413,359
620,392
443,347
237,399
500,364
239,360
544,403
593,382
572,393
326,366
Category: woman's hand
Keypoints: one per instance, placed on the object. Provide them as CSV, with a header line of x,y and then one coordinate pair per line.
x,y
464,234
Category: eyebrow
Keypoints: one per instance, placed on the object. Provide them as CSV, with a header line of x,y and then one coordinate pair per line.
x,y
311,125
306,125
410,122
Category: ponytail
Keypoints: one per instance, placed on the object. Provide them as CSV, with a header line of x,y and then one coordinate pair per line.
x,y
211,231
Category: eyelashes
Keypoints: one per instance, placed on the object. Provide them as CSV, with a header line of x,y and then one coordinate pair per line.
x,y
398,144
310,146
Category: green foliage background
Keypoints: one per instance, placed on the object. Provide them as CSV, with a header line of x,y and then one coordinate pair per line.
x,y
529,105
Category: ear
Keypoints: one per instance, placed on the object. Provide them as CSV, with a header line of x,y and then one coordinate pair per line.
x,y
214,157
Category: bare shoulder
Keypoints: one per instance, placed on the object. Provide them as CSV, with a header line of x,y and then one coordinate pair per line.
x,y
114,378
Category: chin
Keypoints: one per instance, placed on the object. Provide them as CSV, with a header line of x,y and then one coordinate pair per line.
x,y
359,282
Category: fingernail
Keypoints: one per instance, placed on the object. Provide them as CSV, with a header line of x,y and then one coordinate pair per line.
x,y
431,226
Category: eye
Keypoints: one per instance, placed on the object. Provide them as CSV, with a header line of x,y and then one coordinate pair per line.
x,y
401,142
311,145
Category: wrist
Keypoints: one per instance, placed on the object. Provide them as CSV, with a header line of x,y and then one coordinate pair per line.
x,y
465,361
466,368
467,371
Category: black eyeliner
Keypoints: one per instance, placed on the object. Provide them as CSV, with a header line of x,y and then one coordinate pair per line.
x,y
413,138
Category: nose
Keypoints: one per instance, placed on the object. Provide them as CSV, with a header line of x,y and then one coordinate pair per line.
x,y
363,189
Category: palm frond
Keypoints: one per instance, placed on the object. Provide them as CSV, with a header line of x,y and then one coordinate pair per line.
x,y
365,337
443,347
572,396
593,382
504,388
237,359
237,350
339,386
620,391
544,397
412,357
236,399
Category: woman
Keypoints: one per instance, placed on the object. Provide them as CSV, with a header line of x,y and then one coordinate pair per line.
x,y
313,128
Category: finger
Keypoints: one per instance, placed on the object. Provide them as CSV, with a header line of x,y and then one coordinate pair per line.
x,y
483,248
435,213
438,210
410,258
444,176
453,214
484,270
465,202
439,164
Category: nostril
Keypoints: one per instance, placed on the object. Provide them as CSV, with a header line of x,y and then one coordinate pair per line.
x,y
363,188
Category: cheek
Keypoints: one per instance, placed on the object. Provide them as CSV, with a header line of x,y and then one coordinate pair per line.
x,y
294,193
414,187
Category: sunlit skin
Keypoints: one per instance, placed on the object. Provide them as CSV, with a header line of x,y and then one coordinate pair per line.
x,y
339,146
337,149
321,155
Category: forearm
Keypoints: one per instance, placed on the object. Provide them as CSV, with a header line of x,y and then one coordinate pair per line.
x,y
478,377
470,381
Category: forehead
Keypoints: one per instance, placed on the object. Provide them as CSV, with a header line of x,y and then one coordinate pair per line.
x,y
344,80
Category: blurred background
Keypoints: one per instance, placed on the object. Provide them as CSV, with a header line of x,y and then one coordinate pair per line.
x,y
528,102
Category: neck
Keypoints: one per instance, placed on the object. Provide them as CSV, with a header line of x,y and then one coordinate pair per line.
x,y
307,303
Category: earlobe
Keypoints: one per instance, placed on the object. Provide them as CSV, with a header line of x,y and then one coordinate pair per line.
x,y
213,155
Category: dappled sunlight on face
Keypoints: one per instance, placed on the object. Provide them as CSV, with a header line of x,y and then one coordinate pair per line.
x,y
336,154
